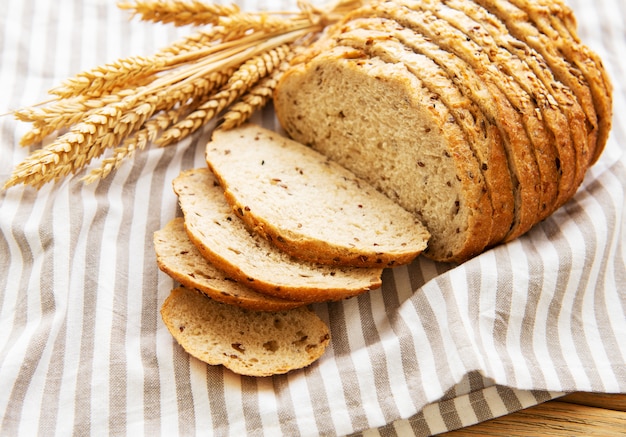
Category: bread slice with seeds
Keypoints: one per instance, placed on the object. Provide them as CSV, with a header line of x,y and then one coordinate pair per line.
x,y
252,343
572,163
379,121
309,206
419,17
545,105
182,261
550,24
243,255
564,70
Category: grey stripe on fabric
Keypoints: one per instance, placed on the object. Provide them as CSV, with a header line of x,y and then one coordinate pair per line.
x,y
502,309
579,335
83,401
606,336
408,353
376,352
341,349
529,325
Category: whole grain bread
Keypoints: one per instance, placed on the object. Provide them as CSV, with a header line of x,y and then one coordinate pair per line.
x,y
243,255
519,62
182,261
308,206
253,343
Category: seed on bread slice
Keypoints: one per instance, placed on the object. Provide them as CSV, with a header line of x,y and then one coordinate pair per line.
x,y
252,343
243,255
309,206
182,261
378,37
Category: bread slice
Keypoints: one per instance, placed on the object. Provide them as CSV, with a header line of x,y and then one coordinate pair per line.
x,y
563,69
182,261
225,241
417,16
379,121
308,206
252,343
546,21
546,106
572,164
378,37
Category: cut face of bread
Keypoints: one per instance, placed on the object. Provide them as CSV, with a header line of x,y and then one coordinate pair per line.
x,y
377,120
308,206
243,255
253,343
181,260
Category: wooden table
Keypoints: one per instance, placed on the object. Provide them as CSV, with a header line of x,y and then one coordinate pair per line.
x,y
577,414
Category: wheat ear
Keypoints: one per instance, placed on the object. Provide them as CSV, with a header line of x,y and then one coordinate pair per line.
x,y
242,80
180,13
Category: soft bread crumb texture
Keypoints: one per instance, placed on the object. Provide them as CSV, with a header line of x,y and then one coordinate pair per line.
x,y
309,206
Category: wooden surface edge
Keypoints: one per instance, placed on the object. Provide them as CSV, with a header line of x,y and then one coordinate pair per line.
x,y
576,414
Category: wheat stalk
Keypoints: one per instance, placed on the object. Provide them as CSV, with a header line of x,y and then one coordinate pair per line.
x,y
230,66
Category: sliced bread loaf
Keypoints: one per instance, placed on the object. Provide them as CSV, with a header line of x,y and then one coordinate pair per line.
x,y
253,343
308,206
182,261
421,18
243,255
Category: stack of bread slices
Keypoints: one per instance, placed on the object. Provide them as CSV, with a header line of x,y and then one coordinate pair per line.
x,y
479,116
268,227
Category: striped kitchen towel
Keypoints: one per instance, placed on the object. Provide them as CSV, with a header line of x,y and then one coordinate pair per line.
x,y
83,350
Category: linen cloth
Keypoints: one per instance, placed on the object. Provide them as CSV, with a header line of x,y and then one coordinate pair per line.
x,y
83,350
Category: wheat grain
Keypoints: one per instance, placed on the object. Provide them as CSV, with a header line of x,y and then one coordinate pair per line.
x,y
106,78
255,99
